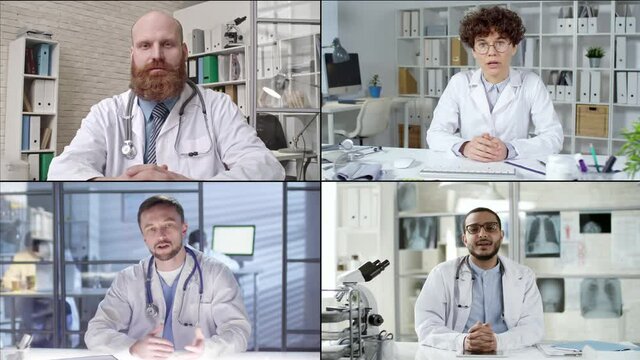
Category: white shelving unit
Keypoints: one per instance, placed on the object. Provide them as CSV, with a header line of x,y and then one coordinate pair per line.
x,y
18,84
241,83
555,52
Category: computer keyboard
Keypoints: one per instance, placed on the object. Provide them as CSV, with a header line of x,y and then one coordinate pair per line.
x,y
479,169
351,101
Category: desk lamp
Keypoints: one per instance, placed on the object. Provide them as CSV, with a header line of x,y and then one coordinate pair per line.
x,y
340,55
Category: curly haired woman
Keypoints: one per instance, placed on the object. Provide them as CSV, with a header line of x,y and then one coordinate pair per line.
x,y
485,114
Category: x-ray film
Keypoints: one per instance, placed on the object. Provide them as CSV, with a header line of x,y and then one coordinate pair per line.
x,y
542,235
552,293
418,233
600,298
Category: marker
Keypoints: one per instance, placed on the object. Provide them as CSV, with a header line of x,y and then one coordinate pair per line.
x,y
609,165
595,159
581,163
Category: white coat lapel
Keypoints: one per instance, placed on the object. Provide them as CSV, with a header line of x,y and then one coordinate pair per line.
x,y
478,95
465,286
513,293
137,134
173,119
508,94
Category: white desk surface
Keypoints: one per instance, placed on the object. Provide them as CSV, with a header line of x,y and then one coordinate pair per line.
x,y
413,351
421,157
51,354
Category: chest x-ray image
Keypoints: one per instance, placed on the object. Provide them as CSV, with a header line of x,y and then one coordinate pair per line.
x,y
595,223
407,196
418,233
459,225
542,234
600,298
552,293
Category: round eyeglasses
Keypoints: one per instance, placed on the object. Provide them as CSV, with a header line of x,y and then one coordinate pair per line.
x,y
488,227
482,47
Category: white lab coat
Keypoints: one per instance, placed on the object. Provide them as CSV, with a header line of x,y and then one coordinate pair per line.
x,y
121,319
436,307
236,154
464,107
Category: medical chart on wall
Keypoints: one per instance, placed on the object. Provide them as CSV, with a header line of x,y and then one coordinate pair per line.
x,y
573,247
625,239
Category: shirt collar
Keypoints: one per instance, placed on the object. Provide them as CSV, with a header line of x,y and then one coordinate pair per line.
x,y
478,270
147,105
499,86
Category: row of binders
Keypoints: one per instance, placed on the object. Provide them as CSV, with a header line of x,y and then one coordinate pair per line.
x,y
560,86
206,40
621,52
410,23
34,136
627,87
435,52
625,24
237,93
38,60
39,166
436,82
590,86
40,97
216,68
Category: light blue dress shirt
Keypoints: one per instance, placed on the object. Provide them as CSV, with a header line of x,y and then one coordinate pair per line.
x,y
169,293
147,107
487,299
493,92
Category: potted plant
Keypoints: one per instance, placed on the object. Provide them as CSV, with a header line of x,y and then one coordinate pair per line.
x,y
595,53
631,149
374,86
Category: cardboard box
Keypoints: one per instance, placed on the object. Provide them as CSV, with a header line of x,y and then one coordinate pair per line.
x,y
414,136
458,53
406,82
593,120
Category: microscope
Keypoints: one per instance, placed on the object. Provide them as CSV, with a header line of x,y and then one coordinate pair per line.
x,y
357,306
232,34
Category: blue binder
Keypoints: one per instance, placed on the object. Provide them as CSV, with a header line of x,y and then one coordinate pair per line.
x,y
26,120
201,70
42,55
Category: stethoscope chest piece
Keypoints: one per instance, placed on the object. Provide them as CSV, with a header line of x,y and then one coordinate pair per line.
x,y
129,150
151,310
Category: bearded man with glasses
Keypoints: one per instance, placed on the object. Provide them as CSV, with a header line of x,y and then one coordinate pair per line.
x,y
485,114
481,302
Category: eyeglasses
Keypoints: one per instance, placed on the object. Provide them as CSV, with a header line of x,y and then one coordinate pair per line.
x,y
488,227
482,47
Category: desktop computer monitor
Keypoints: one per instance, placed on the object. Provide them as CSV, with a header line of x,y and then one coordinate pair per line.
x,y
236,241
343,78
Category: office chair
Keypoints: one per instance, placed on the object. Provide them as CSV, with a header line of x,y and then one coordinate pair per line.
x,y
373,119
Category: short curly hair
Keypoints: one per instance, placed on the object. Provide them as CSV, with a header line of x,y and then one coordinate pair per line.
x,y
481,22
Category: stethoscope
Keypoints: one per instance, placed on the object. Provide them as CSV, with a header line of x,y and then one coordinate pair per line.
x,y
456,289
152,309
129,150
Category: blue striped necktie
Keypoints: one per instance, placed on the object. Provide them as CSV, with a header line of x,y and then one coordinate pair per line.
x,y
158,116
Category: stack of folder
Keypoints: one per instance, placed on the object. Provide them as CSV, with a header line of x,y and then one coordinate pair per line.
x,y
38,60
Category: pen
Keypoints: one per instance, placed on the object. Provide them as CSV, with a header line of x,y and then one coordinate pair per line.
x,y
609,165
525,168
595,159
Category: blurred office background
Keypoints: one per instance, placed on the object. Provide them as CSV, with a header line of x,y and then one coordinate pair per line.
x,y
86,233
581,239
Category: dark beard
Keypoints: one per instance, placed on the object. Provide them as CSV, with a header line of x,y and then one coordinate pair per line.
x,y
158,87
485,257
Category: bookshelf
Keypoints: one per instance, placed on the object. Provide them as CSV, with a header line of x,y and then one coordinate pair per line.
x,y
32,106
231,73
554,50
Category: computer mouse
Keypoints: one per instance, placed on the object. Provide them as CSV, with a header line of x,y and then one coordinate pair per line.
x,y
402,163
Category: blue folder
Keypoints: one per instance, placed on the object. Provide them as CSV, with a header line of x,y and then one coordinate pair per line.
x,y
26,120
596,345
201,70
43,54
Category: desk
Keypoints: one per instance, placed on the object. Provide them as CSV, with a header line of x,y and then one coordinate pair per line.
x,y
413,351
428,156
50,354
331,107
301,166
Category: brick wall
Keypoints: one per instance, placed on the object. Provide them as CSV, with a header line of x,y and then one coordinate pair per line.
x,y
94,39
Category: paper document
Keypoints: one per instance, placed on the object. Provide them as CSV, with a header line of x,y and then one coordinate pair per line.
x,y
549,350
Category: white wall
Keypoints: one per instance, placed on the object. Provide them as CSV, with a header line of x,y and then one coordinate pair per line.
x,y
94,37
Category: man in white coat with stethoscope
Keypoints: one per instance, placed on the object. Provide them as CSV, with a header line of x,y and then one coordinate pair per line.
x,y
486,114
165,127
482,302
176,303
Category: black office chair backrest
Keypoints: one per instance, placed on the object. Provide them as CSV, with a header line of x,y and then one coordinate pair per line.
x,y
270,131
